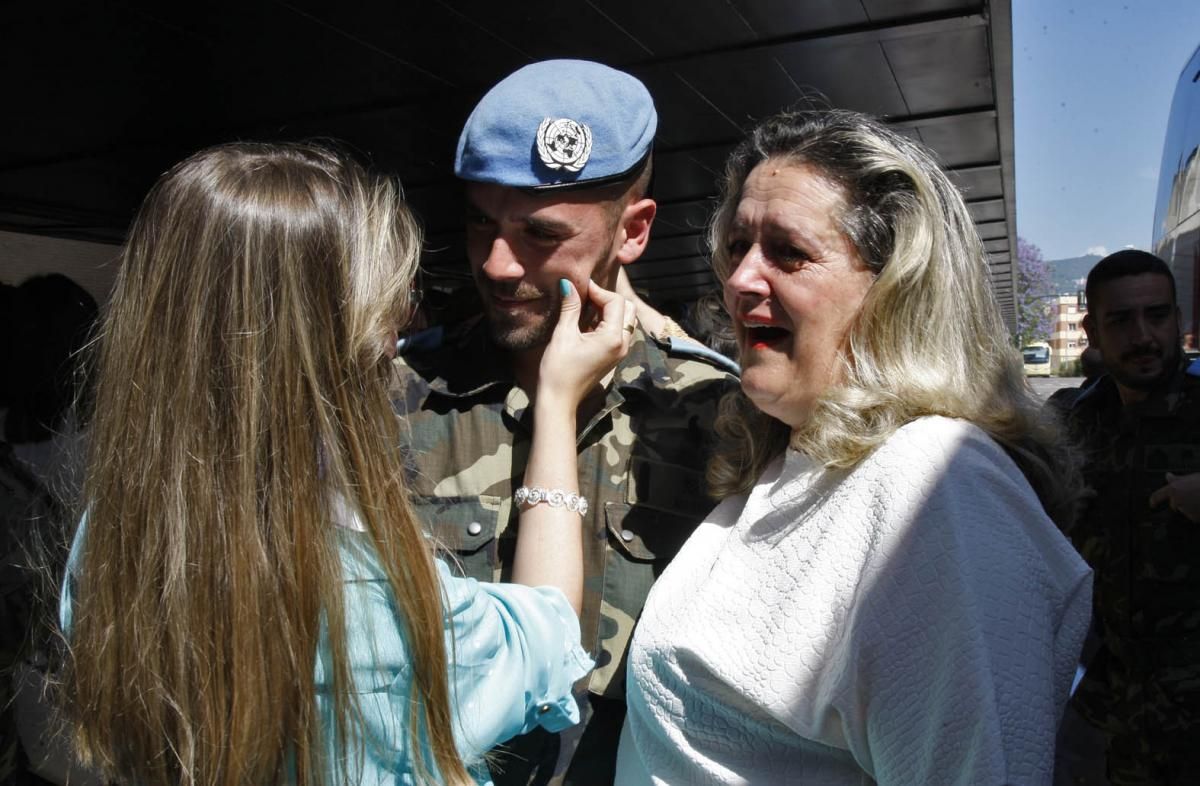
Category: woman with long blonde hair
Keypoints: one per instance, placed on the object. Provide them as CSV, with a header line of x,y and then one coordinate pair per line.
x,y
882,595
250,599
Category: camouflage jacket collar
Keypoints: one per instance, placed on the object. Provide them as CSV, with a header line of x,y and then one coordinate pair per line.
x,y
466,364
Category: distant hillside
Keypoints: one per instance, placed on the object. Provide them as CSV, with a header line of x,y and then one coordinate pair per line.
x,y
1068,273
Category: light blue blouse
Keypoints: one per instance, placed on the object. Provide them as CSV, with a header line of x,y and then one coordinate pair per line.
x,y
513,650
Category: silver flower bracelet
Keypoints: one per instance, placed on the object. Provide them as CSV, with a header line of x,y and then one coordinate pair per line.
x,y
555,498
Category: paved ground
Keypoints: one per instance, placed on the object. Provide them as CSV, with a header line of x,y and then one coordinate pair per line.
x,y
1044,386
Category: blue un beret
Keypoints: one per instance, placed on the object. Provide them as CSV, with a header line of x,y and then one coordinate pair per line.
x,y
558,123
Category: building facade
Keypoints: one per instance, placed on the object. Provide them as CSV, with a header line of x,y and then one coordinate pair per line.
x,y
1067,339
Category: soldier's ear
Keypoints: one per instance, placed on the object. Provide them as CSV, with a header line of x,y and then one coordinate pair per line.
x,y
636,219
1089,327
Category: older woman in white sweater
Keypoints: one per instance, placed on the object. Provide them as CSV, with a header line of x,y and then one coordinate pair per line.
x,y
882,595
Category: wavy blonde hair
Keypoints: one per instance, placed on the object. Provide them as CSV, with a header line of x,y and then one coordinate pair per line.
x,y
241,391
928,339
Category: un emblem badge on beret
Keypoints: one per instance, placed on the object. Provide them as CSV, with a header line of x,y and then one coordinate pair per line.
x,y
564,144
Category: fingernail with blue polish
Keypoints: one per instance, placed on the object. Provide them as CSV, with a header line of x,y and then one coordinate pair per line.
x,y
564,288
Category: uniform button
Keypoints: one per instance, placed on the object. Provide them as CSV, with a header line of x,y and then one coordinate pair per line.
x,y
626,535
474,528
543,709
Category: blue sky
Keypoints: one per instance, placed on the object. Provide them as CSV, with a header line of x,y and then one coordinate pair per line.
x,y
1093,81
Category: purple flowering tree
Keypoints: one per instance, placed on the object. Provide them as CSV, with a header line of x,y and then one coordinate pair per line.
x,y
1034,296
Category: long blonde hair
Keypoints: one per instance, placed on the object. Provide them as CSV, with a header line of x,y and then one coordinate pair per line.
x,y
928,339
241,394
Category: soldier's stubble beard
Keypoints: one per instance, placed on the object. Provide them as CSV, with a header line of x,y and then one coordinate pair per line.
x,y
522,331
1170,360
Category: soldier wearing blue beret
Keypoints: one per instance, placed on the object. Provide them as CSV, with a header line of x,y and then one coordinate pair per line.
x,y
556,160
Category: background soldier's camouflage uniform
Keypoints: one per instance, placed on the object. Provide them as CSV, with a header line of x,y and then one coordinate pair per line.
x,y
641,465
1143,686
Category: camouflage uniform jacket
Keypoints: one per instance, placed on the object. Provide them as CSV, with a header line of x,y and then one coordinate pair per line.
x,y
1143,684
641,463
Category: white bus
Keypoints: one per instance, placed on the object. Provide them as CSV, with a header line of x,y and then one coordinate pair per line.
x,y
1037,359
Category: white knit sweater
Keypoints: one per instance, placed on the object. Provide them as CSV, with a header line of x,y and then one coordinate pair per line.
x,y
916,620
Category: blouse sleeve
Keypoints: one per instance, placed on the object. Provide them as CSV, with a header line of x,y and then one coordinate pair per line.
x,y
970,615
515,656
512,652
66,596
